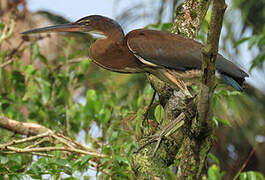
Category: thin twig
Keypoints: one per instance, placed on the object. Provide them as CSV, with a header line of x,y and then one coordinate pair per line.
x,y
42,154
8,59
245,163
7,31
67,143
48,149
38,143
14,142
6,63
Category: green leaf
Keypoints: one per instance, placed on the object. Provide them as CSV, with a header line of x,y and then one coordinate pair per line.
x,y
16,158
19,81
85,159
29,69
34,49
61,162
121,159
159,113
140,101
241,41
105,117
3,159
227,93
253,40
258,61
45,90
84,65
114,135
2,26
261,41
98,106
43,59
91,95
223,121
214,173
251,175
161,27
214,158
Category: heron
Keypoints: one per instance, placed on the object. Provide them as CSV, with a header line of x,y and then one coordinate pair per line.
x,y
172,58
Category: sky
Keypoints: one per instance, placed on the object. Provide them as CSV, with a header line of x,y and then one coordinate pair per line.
x,y
74,10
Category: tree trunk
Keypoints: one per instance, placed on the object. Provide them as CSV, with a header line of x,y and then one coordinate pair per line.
x,y
189,143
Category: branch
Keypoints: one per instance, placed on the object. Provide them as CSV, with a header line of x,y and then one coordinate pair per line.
x,y
208,65
48,149
41,134
7,31
26,128
189,16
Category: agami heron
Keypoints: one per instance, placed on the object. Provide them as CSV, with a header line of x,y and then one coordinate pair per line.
x,y
171,57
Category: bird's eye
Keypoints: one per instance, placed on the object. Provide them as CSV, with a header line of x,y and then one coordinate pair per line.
x,y
86,23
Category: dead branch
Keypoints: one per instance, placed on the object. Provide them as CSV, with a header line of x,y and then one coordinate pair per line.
x,y
41,135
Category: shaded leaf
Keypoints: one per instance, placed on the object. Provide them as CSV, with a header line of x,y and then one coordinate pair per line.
x,y
257,61
237,43
159,113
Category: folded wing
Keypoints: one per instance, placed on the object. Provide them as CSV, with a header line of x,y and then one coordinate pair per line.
x,y
156,48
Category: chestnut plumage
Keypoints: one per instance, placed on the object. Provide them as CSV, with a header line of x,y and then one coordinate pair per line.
x,y
170,57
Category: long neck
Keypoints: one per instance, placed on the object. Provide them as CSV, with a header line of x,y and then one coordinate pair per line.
x,y
112,54
111,29
114,35
101,47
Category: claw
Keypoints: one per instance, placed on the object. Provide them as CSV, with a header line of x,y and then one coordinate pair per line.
x,y
166,131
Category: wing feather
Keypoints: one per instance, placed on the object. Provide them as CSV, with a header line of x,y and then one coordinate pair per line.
x,y
175,52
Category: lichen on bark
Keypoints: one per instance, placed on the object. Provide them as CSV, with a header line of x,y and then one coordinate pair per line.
x,y
190,144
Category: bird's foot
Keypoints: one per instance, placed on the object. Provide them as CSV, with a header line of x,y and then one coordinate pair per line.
x,y
151,139
165,132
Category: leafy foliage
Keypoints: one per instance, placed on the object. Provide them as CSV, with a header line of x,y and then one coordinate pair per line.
x,y
259,42
50,95
161,26
251,175
101,109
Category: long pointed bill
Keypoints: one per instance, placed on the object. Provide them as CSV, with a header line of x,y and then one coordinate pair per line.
x,y
57,28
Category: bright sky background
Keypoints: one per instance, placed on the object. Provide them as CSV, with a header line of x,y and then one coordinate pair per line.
x,y
74,10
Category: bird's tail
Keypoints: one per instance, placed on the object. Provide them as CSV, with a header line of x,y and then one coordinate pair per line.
x,y
230,81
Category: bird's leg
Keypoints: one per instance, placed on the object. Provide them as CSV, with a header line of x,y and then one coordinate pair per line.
x,y
166,131
179,83
149,106
171,127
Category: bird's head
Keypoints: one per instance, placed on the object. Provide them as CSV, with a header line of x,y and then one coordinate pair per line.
x,y
92,24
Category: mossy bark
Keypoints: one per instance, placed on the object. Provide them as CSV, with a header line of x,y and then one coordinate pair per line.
x,y
191,143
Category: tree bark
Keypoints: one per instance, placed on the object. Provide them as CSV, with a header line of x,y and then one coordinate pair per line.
x,y
191,142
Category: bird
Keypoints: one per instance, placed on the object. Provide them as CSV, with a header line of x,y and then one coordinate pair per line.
x,y
172,58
